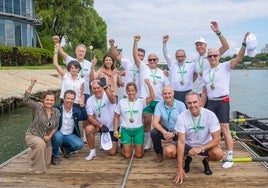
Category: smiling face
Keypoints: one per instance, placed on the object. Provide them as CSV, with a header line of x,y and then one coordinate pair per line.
x,y
69,100
201,48
97,90
80,52
193,103
131,90
49,101
153,61
213,57
180,56
168,95
108,62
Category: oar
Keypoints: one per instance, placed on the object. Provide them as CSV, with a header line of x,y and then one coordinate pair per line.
x,y
247,159
234,133
243,120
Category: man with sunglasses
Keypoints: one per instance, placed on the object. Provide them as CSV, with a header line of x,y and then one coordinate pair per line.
x,y
201,63
157,79
181,73
215,82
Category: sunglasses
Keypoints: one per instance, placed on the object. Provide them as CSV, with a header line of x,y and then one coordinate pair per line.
x,y
215,55
154,60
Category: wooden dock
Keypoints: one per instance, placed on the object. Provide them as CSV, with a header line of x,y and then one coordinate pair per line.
x,y
115,171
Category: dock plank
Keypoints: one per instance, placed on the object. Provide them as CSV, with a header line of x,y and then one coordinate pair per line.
x,y
109,171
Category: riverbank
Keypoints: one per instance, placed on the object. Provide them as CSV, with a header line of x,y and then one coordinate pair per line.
x,y
13,83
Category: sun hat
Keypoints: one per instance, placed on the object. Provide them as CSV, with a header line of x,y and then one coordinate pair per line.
x,y
106,141
251,43
202,40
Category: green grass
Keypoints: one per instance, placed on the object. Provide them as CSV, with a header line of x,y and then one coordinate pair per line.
x,y
28,67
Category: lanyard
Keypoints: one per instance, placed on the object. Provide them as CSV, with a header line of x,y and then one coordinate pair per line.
x,y
98,105
131,108
212,77
197,127
201,65
169,111
182,72
134,72
154,75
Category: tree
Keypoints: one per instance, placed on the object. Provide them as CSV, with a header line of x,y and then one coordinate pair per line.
x,y
75,20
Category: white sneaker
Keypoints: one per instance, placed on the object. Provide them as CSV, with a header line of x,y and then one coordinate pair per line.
x,y
227,164
90,156
147,147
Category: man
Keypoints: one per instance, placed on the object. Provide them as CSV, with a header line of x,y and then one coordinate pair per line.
x,y
100,109
67,136
132,71
199,134
157,79
181,73
87,70
165,116
216,81
201,62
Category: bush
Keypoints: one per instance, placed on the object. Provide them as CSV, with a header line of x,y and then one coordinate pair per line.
x,y
24,56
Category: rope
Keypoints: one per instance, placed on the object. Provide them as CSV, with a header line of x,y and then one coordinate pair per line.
x,y
128,169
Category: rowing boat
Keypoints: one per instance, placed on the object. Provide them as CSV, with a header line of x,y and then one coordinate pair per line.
x,y
252,130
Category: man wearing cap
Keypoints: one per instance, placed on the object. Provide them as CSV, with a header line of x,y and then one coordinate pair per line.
x,y
201,63
100,109
181,73
215,82
164,120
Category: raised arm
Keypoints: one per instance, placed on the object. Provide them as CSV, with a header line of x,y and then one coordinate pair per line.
x,y
241,53
151,90
63,55
114,51
55,61
30,87
110,95
224,44
135,50
165,51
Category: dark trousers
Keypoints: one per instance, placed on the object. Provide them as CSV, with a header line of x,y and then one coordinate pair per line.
x,y
157,138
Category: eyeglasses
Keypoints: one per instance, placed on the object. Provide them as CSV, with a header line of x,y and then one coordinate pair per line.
x,y
215,55
180,56
154,60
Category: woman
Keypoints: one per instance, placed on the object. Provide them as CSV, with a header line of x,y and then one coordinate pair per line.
x,y
43,126
70,79
129,113
111,73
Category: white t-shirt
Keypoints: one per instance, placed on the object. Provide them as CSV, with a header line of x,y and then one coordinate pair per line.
x,y
132,74
102,109
193,137
221,75
84,72
68,83
157,79
201,64
126,108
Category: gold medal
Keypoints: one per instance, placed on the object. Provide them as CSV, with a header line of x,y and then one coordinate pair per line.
x,y
212,86
154,82
131,120
182,82
201,73
82,75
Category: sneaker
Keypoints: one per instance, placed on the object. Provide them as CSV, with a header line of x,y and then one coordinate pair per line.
x,y
147,147
90,156
66,154
187,162
207,170
55,160
158,158
227,164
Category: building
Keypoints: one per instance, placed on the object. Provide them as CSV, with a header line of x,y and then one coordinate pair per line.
x,y
265,49
17,23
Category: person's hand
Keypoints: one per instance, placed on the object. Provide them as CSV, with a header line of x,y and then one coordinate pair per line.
x,y
245,37
147,81
168,136
102,82
180,175
165,38
116,134
215,27
104,129
56,39
137,38
81,102
46,138
111,42
94,61
33,81
166,73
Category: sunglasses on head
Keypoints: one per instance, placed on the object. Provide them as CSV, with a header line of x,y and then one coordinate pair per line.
x,y
214,55
154,60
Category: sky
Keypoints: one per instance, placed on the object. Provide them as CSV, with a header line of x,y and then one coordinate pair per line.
x,y
184,21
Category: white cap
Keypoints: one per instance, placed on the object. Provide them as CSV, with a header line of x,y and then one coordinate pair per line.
x,y
106,141
202,40
251,43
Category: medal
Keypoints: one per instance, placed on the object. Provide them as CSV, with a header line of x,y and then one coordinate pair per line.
x,y
212,86
131,120
82,75
154,82
99,115
201,73
182,82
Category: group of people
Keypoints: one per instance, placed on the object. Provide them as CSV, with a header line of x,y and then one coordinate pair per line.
x,y
189,108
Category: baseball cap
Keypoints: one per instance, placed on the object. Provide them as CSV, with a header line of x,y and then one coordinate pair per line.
x,y
106,141
202,40
251,45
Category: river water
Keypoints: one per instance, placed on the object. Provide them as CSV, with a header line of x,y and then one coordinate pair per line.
x,y
247,93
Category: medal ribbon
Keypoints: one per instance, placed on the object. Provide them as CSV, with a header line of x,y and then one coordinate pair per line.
x,y
182,71
169,111
131,108
135,71
154,75
98,103
212,76
197,126
201,64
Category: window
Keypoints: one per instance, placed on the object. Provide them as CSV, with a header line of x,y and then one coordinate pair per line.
x,y
8,6
17,34
16,6
2,32
1,6
24,34
10,33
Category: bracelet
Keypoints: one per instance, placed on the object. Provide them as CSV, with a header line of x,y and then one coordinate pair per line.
x,y
31,85
244,45
203,149
106,87
219,34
